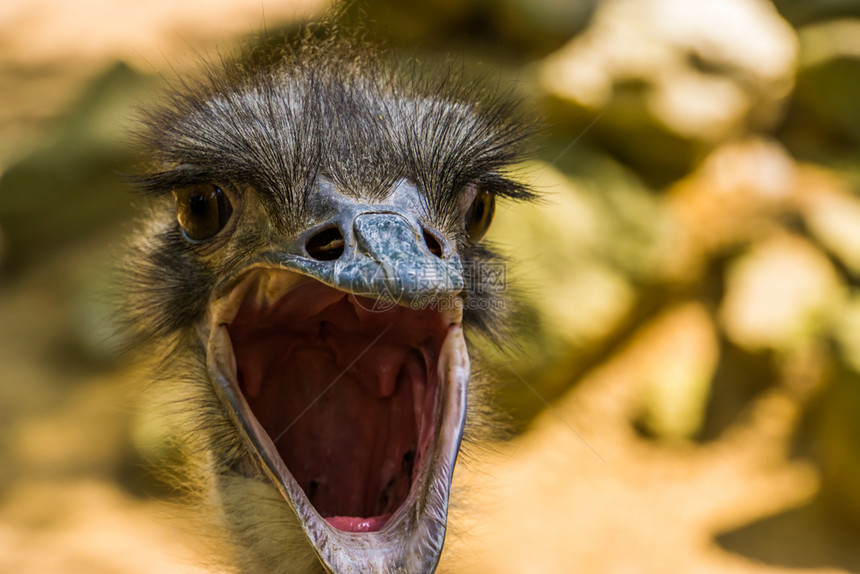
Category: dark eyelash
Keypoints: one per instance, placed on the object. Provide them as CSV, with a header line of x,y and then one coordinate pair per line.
x,y
504,187
163,182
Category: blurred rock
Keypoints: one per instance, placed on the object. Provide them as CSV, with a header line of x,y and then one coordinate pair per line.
x,y
72,185
556,249
549,18
96,333
674,78
828,81
779,295
576,254
577,259
846,330
2,251
736,194
513,29
39,31
837,434
749,189
800,12
52,49
676,379
832,214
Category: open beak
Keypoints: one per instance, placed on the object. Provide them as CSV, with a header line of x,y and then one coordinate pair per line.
x,y
341,360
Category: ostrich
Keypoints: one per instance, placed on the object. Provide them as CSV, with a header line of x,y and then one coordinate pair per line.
x,y
310,260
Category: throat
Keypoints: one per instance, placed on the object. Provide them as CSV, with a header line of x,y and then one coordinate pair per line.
x,y
348,440
348,399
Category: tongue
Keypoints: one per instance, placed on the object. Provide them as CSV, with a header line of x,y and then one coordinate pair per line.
x,y
357,524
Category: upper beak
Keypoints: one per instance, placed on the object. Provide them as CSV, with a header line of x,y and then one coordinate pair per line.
x,y
384,257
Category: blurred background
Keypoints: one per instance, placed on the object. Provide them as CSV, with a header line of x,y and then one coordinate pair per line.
x,y
687,396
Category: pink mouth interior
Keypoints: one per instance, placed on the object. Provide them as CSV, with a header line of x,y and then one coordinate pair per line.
x,y
347,394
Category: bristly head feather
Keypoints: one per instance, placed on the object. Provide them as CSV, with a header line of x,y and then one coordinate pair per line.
x,y
326,104
282,114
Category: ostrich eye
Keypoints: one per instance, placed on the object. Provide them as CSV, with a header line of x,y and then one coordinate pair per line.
x,y
480,215
202,210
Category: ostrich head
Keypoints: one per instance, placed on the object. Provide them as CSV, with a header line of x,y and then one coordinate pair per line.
x,y
307,270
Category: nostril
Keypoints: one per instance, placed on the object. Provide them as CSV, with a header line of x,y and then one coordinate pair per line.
x,y
327,245
432,243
